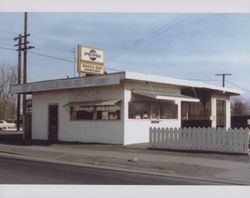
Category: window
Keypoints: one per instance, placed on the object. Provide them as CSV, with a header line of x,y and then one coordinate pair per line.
x,y
82,113
108,112
139,110
195,111
111,112
153,110
168,110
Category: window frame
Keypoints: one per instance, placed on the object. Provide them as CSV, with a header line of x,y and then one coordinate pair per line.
x,y
95,111
152,103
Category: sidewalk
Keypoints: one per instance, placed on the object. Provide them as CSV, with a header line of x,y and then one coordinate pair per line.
x,y
207,166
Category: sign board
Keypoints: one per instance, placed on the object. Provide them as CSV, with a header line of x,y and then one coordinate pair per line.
x,y
90,60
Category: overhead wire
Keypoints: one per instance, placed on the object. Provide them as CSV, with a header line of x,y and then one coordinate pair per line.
x,y
151,35
7,48
108,68
238,86
135,43
138,41
54,57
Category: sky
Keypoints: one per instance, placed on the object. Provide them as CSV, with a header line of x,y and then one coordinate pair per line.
x,y
180,45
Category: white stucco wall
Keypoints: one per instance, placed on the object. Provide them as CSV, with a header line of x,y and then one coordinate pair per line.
x,y
137,131
82,131
124,131
39,117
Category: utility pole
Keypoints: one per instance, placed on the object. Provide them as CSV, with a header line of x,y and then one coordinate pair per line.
x,y
22,46
24,72
25,49
19,38
74,54
223,77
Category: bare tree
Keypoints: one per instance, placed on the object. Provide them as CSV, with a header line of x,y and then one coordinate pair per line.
x,y
240,107
8,76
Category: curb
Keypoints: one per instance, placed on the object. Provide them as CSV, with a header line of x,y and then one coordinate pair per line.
x,y
118,168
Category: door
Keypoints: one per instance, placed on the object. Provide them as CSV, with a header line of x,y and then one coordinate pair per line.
x,y
53,122
221,113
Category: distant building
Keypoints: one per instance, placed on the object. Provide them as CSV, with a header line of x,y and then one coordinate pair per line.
x,y
119,108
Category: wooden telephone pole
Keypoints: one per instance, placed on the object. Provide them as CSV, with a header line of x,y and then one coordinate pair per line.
x,y
19,45
223,78
22,47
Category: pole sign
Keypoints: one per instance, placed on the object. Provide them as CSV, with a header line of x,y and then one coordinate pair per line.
x,y
90,60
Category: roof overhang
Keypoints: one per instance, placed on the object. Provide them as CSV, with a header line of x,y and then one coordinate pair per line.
x,y
113,79
179,82
68,83
165,96
93,103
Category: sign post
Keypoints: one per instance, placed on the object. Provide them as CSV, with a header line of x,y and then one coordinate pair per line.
x,y
90,60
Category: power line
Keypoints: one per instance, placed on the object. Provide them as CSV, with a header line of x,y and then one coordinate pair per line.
x,y
138,41
53,57
36,43
5,39
39,54
111,69
56,58
65,60
151,35
71,61
7,48
238,86
206,80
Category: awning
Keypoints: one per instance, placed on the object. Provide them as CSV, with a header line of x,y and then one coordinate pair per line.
x,y
166,96
93,103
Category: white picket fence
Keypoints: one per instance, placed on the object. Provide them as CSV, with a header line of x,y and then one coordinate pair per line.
x,y
200,139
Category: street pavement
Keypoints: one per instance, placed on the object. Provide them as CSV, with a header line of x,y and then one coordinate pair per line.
x,y
15,171
138,159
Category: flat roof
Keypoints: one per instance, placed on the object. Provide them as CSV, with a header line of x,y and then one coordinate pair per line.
x,y
178,82
112,79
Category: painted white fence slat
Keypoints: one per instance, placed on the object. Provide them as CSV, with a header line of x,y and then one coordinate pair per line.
x,y
241,142
205,139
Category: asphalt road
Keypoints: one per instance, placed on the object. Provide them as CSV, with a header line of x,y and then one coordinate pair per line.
x,y
13,171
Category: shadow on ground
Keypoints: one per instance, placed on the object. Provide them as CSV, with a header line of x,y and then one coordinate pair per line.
x,y
11,138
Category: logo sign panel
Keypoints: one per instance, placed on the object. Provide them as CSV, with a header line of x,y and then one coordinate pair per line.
x,y
90,60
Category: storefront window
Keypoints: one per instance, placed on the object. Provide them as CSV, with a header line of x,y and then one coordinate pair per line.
x,y
139,110
108,113
95,112
153,110
168,110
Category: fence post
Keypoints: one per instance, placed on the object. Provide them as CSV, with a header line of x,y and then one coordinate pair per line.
x,y
150,137
224,139
209,138
241,142
246,140
198,144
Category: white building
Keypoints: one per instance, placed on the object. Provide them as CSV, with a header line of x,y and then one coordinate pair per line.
x,y
119,108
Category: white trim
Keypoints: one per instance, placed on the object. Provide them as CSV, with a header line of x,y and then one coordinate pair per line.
x,y
177,98
214,112
111,79
68,83
166,96
94,103
177,82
